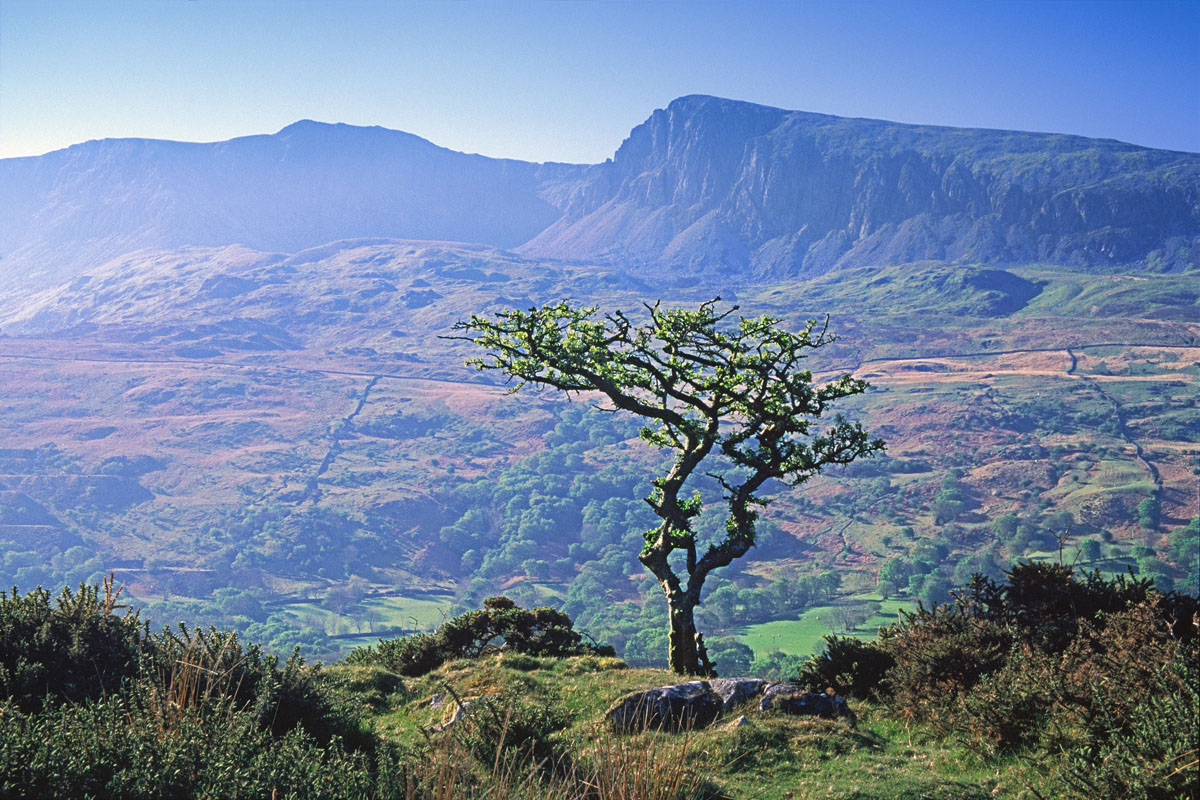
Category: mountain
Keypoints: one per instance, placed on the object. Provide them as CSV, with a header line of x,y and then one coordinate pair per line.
x,y
704,188
309,184
715,184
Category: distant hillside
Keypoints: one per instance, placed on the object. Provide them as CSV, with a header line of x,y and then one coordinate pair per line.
x,y
706,187
716,184
309,184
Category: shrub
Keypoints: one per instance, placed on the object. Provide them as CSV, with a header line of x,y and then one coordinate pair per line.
x,y
71,650
1147,752
184,713
851,666
412,655
186,669
537,632
114,747
1009,708
1044,660
514,725
940,655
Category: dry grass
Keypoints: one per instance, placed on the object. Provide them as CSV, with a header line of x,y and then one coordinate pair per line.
x,y
205,672
611,768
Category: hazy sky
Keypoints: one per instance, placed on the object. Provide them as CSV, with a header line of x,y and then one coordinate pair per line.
x,y
565,81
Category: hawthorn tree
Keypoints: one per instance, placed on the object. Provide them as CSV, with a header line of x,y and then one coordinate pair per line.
x,y
724,392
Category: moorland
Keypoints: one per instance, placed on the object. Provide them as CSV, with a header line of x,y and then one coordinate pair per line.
x,y
225,380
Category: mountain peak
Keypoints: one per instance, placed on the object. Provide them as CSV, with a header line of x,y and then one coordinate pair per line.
x,y
310,127
715,184
302,125
696,102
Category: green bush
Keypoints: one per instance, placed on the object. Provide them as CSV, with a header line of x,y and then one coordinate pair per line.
x,y
1148,753
537,632
1048,660
92,705
852,667
1011,707
514,725
73,649
116,746
185,668
413,655
940,654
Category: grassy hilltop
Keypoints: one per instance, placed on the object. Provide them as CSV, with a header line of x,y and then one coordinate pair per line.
x,y
1020,689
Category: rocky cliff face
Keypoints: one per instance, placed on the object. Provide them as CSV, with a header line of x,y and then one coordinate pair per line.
x,y
710,184
705,187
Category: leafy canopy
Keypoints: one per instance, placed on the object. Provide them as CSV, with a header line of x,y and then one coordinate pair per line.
x,y
704,382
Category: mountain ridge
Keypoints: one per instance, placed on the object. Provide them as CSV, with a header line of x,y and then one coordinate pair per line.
x,y
705,188
796,192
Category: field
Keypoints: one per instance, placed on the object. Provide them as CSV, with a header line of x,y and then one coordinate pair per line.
x,y
374,617
803,636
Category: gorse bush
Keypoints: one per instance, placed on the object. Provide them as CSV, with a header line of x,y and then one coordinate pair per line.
x,y
1102,669
515,725
536,632
1045,604
851,666
72,649
189,668
1146,753
114,747
93,705
941,654
1093,676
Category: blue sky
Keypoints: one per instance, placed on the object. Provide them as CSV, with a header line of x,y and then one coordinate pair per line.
x,y
566,81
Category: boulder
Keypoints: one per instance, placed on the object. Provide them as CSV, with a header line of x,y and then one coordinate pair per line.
x,y
463,709
788,698
737,690
740,722
685,705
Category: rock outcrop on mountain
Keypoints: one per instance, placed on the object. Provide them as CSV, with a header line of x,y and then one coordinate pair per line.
x,y
710,184
704,188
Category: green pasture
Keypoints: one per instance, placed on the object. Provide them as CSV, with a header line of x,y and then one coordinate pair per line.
x,y
374,614
803,636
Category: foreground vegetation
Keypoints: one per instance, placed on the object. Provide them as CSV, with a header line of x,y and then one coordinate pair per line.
x,y
1044,685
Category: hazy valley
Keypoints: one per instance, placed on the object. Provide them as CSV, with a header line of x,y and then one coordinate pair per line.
x,y
216,387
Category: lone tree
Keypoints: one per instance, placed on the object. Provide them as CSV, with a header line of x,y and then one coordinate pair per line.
x,y
710,388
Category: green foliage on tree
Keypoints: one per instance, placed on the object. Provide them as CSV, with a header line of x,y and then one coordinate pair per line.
x,y
1184,549
1148,512
1089,550
950,500
729,397
731,656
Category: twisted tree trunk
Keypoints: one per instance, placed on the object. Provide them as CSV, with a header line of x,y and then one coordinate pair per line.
x,y
688,655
